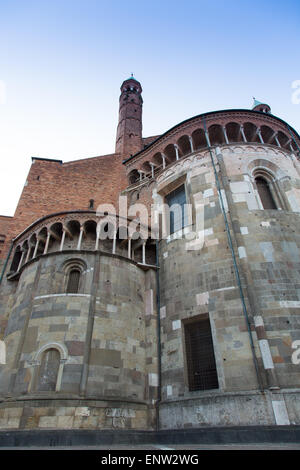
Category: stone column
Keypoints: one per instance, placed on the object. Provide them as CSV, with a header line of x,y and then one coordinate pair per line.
x,y
176,151
243,133
191,143
260,136
28,253
207,139
276,140
97,238
21,260
80,238
152,169
36,248
114,243
129,248
144,252
47,243
164,160
288,143
62,240
225,134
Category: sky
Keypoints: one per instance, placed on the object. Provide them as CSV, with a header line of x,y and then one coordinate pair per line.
x,y
62,63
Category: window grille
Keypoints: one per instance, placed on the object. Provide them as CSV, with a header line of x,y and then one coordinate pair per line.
x,y
178,216
201,365
73,281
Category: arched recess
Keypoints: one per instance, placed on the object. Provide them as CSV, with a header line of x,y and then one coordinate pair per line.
x,y
146,168
48,368
32,245
16,259
157,159
233,131
199,139
133,176
266,180
216,134
268,135
263,186
56,231
274,175
89,228
170,153
42,238
250,131
25,252
74,269
74,228
184,145
282,138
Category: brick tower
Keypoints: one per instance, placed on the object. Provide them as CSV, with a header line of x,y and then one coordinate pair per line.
x,y
129,132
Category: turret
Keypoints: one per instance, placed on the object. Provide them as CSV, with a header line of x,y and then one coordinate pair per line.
x,y
262,107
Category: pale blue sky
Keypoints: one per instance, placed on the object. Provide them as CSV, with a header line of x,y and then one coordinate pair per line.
x,y
62,64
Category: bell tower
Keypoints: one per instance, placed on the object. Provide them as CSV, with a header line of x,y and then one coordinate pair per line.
x,y
129,132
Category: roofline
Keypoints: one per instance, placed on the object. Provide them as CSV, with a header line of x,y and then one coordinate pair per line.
x,y
46,159
208,114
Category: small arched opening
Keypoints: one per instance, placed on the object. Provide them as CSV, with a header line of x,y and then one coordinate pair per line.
x,y
233,130
199,139
170,153
133,176
184,145
16,260
251,132
216,135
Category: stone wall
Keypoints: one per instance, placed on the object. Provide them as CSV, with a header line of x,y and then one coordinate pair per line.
x,y
198,277
105,335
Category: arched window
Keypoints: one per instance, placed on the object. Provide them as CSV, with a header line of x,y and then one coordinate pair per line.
x,y
74,278
265,194
48,370
73,281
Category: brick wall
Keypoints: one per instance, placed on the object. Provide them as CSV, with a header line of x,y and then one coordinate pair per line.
x,y
5,223
53,186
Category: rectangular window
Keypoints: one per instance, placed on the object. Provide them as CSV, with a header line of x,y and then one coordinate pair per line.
x,y
201,364
176,200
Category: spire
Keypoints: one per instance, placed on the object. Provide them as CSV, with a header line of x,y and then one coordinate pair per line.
x,y
255,102
132,78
